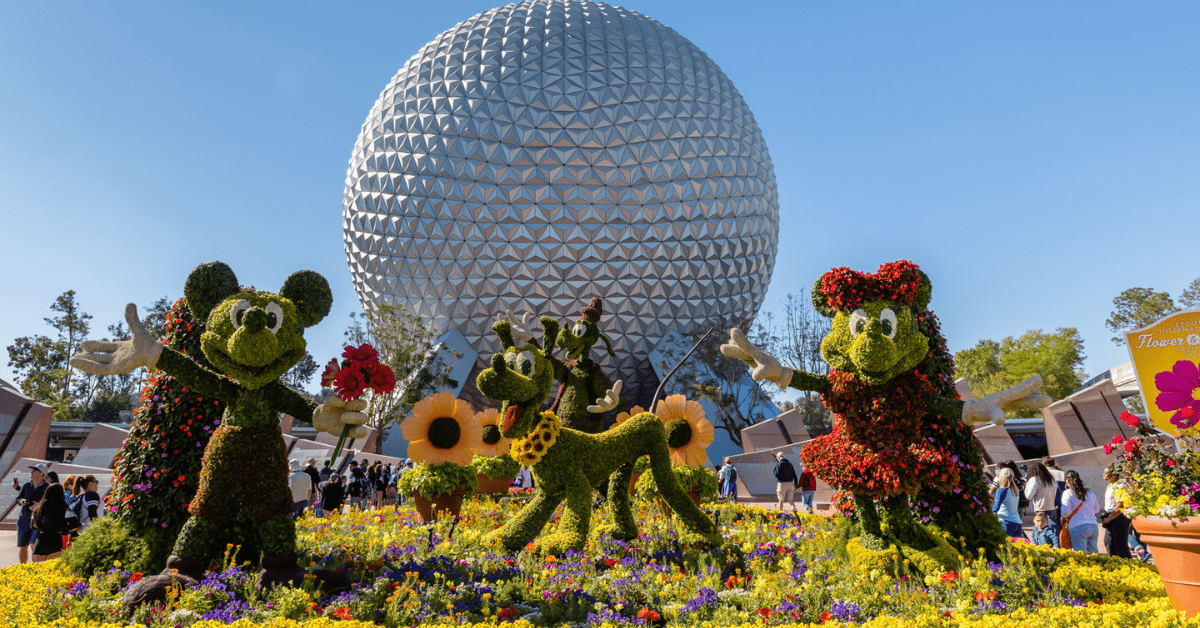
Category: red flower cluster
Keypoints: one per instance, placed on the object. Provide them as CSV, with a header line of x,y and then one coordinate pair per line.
x,y
649,615
846,289
899,468
876,446
359,370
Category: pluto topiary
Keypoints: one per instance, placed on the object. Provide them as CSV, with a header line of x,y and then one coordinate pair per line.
x,y
567,464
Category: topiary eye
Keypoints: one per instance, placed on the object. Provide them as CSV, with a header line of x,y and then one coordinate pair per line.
x,y
887,320
239,310
524,363
579,329
858,322
274,317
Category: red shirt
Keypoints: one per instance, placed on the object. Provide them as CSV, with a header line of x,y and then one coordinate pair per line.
x,y
808,481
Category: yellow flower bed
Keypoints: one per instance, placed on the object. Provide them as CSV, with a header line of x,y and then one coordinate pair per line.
x,y
786,563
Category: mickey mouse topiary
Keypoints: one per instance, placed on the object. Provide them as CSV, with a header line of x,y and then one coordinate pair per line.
x,y
252,338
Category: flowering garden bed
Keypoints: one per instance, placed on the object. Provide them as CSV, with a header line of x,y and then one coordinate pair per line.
x,y
774,570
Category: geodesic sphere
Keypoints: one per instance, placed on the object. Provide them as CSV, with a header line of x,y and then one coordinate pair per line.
x,y
545,152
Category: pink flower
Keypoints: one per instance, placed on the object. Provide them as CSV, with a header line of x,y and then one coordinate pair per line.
x,y
1130,419
1108,449
1178,390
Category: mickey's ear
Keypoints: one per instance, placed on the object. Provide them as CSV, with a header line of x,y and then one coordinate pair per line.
x,y
311,294
924,294
821,302
207,285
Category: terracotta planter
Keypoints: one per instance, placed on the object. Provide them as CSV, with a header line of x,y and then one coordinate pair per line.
x,y
441,505
1176,549
693,493
493,485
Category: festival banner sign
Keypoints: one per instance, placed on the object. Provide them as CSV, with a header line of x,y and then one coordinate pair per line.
x,y
1166,358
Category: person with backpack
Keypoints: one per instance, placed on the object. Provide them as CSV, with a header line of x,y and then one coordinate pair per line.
x,y
808,489
87,506
727,476
785,481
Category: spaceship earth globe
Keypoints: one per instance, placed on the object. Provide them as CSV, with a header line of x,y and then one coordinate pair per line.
x,y
548,151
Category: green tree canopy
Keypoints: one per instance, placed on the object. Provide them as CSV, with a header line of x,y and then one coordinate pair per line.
x,y
992,366
1190,298
1136,308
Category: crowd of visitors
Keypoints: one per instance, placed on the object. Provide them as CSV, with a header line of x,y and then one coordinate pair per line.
x,y
1066,513
53,513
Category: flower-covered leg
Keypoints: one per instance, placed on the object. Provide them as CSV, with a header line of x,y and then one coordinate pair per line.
x,y
624,526
576,519
672,493
523,528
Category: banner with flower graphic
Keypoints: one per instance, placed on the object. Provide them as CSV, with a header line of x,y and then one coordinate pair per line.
x,y
1166,358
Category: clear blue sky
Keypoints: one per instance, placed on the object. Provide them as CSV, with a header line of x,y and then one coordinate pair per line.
x,y
1034,158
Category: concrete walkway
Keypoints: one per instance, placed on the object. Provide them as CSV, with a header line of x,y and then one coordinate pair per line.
x,y
8,549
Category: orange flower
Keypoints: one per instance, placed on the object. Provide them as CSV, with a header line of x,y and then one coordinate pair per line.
x,y
493,443
624,416
442,429
688,432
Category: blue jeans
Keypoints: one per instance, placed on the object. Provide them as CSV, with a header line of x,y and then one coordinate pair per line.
x,y
730,490
807,498
1085,538
298,508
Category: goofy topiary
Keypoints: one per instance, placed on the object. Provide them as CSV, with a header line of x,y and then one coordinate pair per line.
x,y
567,463
252,338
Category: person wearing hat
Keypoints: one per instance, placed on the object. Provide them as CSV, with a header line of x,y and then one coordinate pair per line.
x,y
785,481
301,486
28,496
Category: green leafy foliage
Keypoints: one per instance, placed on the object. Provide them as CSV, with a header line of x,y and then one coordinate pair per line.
x,y
110,539
502,466
444,478
699,479
992,366
1136,308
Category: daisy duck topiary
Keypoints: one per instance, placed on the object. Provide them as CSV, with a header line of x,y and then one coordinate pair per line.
x,y
567,464
251,338
902,438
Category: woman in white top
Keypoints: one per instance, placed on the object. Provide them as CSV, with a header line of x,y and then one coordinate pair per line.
x,y
1041,489
1082,525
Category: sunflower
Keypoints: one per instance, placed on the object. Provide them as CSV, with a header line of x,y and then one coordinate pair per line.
x,y
688,432
493,443
624,416
442,429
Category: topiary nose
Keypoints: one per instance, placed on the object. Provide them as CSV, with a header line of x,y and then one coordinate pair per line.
x,y
498,364
254,320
